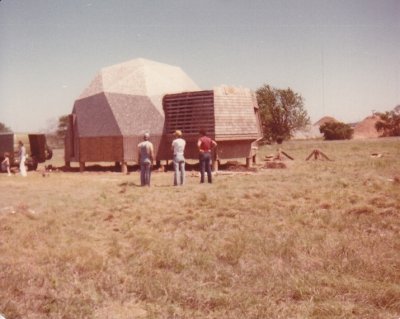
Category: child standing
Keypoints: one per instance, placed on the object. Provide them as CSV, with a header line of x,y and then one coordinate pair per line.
x,y
5,164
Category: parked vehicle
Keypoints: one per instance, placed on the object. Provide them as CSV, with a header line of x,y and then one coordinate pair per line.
x,y
36,147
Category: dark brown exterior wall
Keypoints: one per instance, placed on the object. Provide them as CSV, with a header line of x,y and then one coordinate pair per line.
x,y
100,149
162,147
230,119
189,112
71,142
234,149
113,149
131,151
225,150
68,156
108,127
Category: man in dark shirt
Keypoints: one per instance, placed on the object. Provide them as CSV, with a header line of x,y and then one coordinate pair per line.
x,y
205,144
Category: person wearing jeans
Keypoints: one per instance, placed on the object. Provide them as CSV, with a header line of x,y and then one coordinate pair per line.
x,y
205,145
178,148
145,159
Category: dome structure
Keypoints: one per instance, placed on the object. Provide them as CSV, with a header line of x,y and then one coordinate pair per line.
x,y
121,103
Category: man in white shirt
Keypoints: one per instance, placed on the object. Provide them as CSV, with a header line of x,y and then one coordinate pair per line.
x,y
178,148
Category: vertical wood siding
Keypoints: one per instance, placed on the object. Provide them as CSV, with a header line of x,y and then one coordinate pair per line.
x,y
189,112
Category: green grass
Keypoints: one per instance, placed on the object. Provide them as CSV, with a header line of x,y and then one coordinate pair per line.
x,y
319,239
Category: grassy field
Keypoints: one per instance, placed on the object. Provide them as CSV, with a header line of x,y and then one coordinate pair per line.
x,y
319,239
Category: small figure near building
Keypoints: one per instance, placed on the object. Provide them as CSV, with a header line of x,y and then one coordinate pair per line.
x,y
145,159
5,164
205,145
22,158
178,148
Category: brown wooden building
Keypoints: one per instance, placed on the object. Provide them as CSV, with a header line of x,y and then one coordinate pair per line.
x,y
123,102
126,100
228,114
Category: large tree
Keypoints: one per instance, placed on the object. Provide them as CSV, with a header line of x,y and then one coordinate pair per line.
x,y
4,128
281,111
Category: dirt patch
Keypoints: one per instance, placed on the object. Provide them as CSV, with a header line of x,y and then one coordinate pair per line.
x,y
235,166
96,168
366,128
275,164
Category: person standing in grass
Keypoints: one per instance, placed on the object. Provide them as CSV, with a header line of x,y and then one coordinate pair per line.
x,y
205,145
145,159
22,158
178,148
5,164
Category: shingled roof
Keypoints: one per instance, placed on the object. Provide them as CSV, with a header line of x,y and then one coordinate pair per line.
x,y
226,113
126,98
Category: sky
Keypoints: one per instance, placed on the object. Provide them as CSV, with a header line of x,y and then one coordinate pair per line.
x,y
341,56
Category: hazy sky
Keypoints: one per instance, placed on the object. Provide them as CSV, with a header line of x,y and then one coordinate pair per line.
x,y
342,56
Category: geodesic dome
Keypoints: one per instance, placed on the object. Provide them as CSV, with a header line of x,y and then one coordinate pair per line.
x,y
121,103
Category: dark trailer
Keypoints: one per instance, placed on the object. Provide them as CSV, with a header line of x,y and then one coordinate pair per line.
x,y
36,148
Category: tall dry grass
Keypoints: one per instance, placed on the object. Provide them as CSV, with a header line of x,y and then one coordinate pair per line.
x,y
317,240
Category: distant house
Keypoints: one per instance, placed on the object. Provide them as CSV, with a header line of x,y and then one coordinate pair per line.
x,y
312,131
123,102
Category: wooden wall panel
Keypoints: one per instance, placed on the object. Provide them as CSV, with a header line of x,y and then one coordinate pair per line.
x,y
101,149
234,149
130,144
189,112
227,114
235,114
